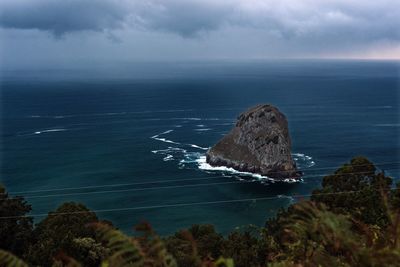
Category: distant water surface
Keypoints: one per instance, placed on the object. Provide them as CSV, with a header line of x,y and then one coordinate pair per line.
x,y
143,130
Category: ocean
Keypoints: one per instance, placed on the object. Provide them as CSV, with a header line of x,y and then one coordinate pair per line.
x,y
129,141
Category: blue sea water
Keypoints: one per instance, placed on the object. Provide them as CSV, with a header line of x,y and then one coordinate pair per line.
x,y
142,130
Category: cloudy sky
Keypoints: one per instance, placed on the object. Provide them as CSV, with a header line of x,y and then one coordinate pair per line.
x,y
67,32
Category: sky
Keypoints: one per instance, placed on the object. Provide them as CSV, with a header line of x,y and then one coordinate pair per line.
x,y
45,33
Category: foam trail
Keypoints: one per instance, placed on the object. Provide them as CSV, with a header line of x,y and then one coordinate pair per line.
x,y
168,158
199,147
166,132
302,160
203,165
169,150
157,137
165,140
50,130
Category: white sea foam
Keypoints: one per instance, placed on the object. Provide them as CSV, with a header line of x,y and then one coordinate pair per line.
x,y
186,119
165,140
50,130
166,132
302,160
156,137
170,153
168,158
169,150
214,119
203,165
202,129
199,147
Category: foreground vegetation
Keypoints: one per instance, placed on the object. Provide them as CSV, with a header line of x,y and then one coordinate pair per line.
x,y
352,220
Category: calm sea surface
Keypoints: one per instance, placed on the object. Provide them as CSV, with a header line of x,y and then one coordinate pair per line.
x,y
131,140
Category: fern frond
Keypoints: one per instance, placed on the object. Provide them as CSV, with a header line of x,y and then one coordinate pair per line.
x,y
10,260
222,262
154,248
124,251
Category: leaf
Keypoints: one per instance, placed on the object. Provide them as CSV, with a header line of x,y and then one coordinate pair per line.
x,y
10,260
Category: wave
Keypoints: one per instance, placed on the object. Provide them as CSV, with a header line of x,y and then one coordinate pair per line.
x,y
51,130
303,161
44,131
166,140
168,150
199,147
169,153
51,116
109,113
168,158
189,158
156,137
166,132
203,165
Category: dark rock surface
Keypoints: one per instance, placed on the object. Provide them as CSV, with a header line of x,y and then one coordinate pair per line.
x,y
259,143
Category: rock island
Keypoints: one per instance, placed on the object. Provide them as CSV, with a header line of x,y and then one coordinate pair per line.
x,y
259,143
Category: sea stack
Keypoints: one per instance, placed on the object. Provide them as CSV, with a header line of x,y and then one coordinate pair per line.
x,y
259,143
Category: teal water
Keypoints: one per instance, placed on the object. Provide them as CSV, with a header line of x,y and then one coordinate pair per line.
x,y
152,123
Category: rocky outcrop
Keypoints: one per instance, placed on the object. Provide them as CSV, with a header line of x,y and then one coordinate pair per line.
x,y
259,143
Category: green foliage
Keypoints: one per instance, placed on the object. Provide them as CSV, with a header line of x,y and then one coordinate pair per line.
x,y
15,229
57,232
355,189
88,251
124,251
191,247
222,262
315,236
7,259
353,220
395,197
154,248
248,246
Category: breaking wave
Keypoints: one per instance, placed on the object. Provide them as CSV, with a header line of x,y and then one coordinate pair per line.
x,y
157,137
38,132
192,156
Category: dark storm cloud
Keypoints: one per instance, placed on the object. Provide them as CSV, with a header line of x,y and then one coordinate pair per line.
x,y
186,18
59,17
320,21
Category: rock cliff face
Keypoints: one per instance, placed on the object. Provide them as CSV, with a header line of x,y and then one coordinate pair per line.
x,y
259,143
